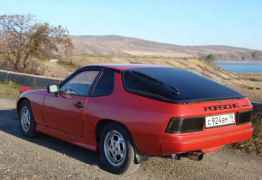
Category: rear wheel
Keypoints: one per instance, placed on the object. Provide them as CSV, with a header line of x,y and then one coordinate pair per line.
x,y
117,153
27,123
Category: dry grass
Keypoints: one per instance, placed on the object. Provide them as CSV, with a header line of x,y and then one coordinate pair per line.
x,y
9,90
255,143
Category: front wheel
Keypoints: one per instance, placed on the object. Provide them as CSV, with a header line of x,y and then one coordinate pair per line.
x,y
27,123
117,153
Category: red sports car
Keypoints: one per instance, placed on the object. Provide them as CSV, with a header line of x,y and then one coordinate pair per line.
x,y
126,112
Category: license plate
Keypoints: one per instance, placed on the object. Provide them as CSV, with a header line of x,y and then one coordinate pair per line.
x,y
220,120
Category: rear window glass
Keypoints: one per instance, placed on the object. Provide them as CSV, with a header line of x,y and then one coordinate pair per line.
x,y
172,84
147,86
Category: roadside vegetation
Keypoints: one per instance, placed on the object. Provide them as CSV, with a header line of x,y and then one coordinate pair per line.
x,y
25,41
210,58
254,145
9,90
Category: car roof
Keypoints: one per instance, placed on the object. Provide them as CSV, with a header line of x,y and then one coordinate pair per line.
x,y
123,67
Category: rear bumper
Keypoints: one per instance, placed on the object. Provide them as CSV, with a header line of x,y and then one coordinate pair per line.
x,y
205,141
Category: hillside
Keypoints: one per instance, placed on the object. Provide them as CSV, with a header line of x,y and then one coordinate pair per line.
x,y
126,46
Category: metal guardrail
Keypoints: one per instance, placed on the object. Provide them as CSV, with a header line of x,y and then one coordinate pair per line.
x,y
33,81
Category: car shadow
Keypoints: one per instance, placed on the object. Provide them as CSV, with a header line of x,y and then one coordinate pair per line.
x,y
10,124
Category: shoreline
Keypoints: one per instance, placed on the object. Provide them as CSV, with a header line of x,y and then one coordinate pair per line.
x,y
238,62
243,67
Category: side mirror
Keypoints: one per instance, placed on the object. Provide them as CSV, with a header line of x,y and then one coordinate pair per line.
x,y
52,89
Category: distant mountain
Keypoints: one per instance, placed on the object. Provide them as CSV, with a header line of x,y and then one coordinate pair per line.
x,y
120,45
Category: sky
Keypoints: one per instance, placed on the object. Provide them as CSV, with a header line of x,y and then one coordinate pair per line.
x,y
183,22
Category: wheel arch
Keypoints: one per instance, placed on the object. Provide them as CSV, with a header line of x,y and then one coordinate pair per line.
x,y
103,122
18,104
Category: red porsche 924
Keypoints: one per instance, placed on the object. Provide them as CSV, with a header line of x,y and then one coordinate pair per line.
x,y
128,112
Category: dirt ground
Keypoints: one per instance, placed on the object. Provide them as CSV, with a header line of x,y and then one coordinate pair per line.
x,y
48,158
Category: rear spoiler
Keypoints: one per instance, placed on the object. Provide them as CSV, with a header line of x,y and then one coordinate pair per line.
x,y
23,89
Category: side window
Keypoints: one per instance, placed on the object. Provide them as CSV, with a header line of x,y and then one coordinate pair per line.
x,y
80,84
105,85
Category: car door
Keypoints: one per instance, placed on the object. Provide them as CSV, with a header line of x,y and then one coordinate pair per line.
x,y
65,110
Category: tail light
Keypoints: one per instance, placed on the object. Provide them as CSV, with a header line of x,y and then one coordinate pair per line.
x,y
244,117
180,125
24,89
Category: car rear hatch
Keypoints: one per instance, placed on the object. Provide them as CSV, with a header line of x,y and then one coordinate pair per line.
x,y
207,126
198,116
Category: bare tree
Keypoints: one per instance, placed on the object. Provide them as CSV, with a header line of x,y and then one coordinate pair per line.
x,y
22,38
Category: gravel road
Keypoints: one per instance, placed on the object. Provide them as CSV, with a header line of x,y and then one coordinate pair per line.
x,y
48,158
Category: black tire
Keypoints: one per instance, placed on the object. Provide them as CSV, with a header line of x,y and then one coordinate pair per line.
x,y
30,130
128,165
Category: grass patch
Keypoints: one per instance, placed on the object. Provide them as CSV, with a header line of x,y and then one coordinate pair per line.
x,y
9,89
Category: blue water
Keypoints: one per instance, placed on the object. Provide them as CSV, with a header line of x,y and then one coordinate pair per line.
x,y
245,67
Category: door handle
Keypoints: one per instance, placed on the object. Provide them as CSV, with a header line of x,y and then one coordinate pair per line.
x,y
79,105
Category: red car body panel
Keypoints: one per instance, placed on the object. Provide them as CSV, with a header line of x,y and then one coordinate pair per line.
x,y
146,119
